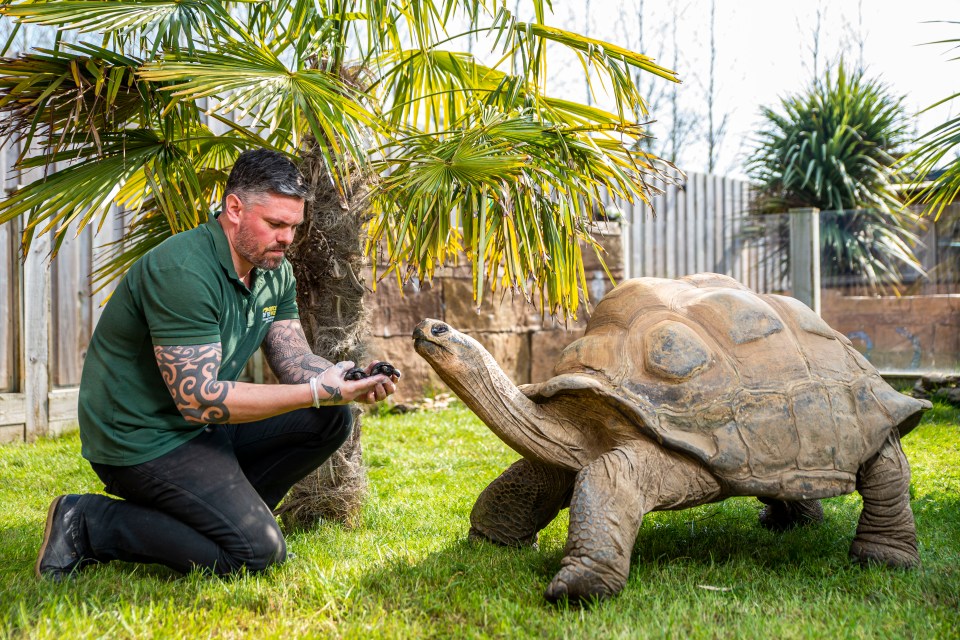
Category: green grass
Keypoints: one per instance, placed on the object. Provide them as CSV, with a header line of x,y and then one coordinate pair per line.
x,y
408,570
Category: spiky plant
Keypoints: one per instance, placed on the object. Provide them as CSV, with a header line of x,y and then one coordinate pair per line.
x,y
833,146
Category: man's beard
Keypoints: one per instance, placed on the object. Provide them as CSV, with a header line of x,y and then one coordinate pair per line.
x,y
246,247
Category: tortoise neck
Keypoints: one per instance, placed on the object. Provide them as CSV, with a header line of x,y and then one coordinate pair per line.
x,y
532,430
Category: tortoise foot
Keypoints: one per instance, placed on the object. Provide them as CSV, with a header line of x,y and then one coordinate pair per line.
x,y
781,515
476,535
896,554
578,585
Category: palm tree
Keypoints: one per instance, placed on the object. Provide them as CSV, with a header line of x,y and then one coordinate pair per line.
x,y
833,147
418,151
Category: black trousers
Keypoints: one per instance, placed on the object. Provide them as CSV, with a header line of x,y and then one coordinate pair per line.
x,y
208,503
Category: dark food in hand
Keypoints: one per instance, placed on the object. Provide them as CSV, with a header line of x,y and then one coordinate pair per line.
x,y
384,368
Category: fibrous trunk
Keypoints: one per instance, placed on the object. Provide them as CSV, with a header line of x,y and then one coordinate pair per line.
x,y
327,259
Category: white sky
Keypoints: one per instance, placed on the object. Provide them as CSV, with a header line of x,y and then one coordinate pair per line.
x,y
764,50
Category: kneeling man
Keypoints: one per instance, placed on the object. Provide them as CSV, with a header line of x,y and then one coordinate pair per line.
x,y
199,459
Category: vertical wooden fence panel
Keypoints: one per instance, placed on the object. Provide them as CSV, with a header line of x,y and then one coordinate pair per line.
x,y
111,231
69,297
669,245
691,229
36,338
648,266
9,308
9,288
697,227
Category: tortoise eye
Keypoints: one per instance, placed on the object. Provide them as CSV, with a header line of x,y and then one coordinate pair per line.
x,y
439,329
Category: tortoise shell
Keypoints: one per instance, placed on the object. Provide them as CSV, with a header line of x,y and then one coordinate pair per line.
x,y
758,388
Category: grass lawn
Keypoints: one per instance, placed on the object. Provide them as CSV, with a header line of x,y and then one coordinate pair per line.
x,y
409,571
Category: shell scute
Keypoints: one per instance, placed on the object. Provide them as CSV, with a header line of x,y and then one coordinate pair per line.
x,y
814,400
674,351
768,431
742,314
804,316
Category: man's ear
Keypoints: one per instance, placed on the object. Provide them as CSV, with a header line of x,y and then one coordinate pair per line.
x,y
232,207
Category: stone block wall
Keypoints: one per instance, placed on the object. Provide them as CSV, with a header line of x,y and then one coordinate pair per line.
x,y
523,341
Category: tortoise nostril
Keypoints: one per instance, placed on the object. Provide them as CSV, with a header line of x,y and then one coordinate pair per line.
x,y
439,329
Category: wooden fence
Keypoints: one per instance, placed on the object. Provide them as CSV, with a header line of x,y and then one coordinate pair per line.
x,y
703,224
699,226
47,314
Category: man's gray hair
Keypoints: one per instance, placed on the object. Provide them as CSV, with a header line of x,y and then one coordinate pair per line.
x,y
261,171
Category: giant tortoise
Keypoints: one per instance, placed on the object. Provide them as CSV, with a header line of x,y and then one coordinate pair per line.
x,y
684,392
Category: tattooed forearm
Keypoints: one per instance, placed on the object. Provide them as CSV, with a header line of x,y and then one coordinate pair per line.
x,y
191,376
289,355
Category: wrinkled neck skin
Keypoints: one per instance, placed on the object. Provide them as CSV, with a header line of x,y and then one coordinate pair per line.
x,y
530,429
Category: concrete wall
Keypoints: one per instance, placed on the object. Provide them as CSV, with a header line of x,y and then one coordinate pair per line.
x,y
526,344
899,334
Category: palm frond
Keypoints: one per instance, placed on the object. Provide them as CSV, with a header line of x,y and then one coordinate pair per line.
x,y
255,85
471,159
79,191
937,151
170,22
508,190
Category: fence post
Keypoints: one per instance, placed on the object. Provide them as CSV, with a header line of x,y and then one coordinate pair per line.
x,y
36,338
805,256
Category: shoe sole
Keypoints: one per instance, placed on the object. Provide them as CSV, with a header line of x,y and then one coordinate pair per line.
x,y
46,533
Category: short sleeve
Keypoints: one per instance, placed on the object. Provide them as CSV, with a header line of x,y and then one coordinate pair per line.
x,y
181,308
287,304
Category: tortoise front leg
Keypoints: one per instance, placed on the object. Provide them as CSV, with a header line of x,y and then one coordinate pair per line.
x,y
886,533
610,498
518,504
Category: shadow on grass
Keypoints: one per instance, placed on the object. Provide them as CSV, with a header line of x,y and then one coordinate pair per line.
x,y
689,541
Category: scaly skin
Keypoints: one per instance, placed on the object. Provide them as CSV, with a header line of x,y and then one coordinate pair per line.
x,y
517,505
886,533
610,498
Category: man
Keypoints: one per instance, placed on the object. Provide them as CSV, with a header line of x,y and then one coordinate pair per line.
x,y
200,459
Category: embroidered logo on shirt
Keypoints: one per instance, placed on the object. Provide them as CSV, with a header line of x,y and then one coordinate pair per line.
x,y
269,313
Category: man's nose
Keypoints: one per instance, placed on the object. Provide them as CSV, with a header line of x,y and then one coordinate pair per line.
x,y
286,236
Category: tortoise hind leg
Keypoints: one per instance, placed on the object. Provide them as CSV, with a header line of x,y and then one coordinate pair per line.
x,y
886,533
781,515
520,502
609,500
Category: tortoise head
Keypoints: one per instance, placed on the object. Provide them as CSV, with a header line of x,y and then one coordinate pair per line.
x,y
448,351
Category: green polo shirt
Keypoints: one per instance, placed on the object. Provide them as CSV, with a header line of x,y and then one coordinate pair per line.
x,y
183,292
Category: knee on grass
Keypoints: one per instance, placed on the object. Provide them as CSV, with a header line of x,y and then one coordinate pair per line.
x,y
264,547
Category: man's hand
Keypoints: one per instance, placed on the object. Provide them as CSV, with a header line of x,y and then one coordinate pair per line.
x,y
336,389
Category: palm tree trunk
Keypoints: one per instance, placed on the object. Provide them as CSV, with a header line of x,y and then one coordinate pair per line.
x,y
327,259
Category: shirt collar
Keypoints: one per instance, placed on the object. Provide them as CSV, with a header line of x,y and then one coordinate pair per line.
x,y
222,247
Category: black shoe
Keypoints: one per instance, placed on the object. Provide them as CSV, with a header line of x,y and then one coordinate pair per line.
x,y
63,551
